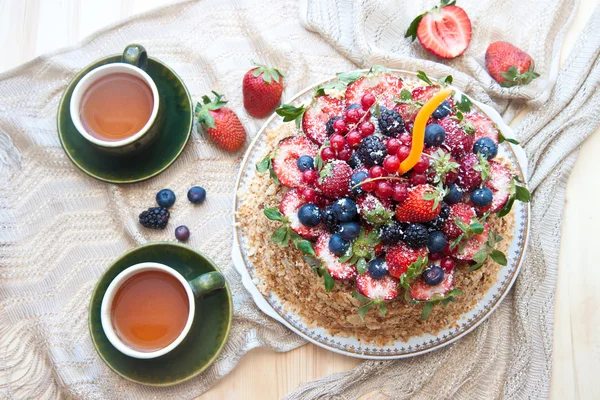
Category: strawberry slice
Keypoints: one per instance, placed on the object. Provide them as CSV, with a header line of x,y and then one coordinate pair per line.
x,y
316,116
374,210
286,159
500,185
338,270
383,86
484,127
289,206
385,288
419,290
445,31
400,256
424,93
463,212
457,140
474,244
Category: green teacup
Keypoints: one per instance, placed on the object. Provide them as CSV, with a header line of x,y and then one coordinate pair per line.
x,y
133,63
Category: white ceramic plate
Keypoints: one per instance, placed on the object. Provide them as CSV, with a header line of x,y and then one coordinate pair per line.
x,y
351,346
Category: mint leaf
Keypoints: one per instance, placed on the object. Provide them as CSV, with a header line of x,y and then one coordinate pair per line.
x,y
362,311
320,90
405,95
423,76
427,308
360,297
464,103
279,235
349,77
327,280
447,80
305,246
502,139
264,164
476,227
498,257
291,113
273,214
382,308
522,194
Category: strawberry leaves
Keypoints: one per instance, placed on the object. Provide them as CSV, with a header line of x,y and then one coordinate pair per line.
x,y
502,139
320,270
442,165
463,103
514,78
205,119
291,113
468,231
413,272
367,304
517,192
362,250
423,76
267,164
489,251
445,300
285,234
483,167
269,74
437,195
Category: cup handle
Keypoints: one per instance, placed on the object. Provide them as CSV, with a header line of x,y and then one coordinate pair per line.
x,y
136,55
207,283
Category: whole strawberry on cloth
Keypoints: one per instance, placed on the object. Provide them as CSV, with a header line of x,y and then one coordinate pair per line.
x,y
509,65
262,87
220,123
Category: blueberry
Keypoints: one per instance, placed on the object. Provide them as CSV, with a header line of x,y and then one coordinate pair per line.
x,y
182,233
196,195
436,242
357,178
165,198
454,195
337,245
305,162
345,209
442,111
482,197
434,135
378,268
309,215
486,147
433,275
349,230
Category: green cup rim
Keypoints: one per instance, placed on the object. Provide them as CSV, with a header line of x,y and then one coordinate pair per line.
x,y
221,346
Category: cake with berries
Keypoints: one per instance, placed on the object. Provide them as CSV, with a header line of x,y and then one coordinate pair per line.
x,y
385,211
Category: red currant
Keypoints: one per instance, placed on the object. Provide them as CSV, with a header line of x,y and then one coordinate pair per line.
x,y
384,189
376,171
405,138
309,195
391,164
327,154
353,138
400,192
403,152
340,126
366,128
352,116
367,101
392,145
345,153
447,264
418,178
310,176
369,186
448,251
337,141
422,164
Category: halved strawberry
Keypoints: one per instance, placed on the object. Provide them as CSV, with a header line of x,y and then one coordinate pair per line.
x,y
474,244
457,140
285,161
419,290
334,179
484,127
289,206
499,183
383,86
400,256
385,288
315,117
468,176
463,212
416,208
374,210
338,270
424,93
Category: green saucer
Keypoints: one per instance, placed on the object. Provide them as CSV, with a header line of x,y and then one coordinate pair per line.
x,y
177,126
205,340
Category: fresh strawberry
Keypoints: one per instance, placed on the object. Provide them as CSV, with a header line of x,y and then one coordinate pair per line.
x,y
262,87
418,207
385,288
315,117
424,93
408,112
285,161
500,184
457,140
334,179
338,270
419,290
509,65
289,206
220,123
442,166
463,212
469,173
399,257
444,31
484,127
385,87
374,210
473,245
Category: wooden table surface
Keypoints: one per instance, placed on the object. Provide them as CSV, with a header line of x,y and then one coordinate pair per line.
x,y
29,28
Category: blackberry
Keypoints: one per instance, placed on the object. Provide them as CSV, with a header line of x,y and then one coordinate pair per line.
x,y
329,125
329,219
390,122
155,218
415,236
391,233
438,222
355,161
371,151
